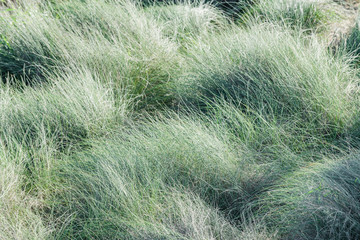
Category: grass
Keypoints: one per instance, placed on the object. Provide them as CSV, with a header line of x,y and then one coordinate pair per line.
x,y
183,21
31,116
269,70
59,39
19,211
120,189
176,120
306,15
326,203
350,44
233,9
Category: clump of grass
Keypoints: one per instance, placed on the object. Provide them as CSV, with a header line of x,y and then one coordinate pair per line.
x,y
121,42
319,202
126,177
126,46
300,14
31,43
280,144
185,21
254,105
233,9
37,126
62,115
19,218
351,44
269,70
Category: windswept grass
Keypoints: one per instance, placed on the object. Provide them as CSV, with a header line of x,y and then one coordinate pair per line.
x,y
42,123
68,110
319,202
184,22
233,9
271,71
19,218
126,119
101,37
306,15
127,181
31,43
351,44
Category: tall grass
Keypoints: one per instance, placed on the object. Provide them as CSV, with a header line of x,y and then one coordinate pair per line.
x,y
42,123
183,22
114,40
18,210
233,9
125,120
318,202
31,43
65,111
306,15
36,126
270,70
127,181
351,44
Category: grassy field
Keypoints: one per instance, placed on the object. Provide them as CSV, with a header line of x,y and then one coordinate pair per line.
x,y
197,120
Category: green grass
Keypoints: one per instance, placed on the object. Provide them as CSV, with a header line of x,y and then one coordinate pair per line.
x,y
269,70
183,22
73,107
351,44
233,9
133,55
19,211
135,186
318,202
306,15
176,120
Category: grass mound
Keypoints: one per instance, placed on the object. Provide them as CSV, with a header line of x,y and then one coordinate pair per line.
x,y
320,202
351,44
73,35
274,72
126,182
232,8
301,14
19,211
125,119
65,112
183,22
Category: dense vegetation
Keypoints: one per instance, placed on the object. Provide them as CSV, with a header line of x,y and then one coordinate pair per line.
x,y
124,119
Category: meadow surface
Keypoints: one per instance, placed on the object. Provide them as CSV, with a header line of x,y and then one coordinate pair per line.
x,y
178,120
